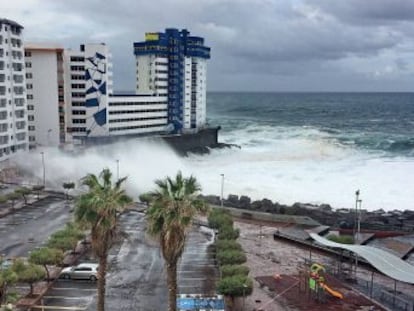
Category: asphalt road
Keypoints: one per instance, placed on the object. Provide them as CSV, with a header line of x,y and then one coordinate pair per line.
x,y
136,277
30,226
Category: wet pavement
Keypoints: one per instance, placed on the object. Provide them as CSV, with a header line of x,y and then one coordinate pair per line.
x,y
137,277
29,227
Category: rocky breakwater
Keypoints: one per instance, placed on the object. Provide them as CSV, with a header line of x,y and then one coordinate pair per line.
x,y
323,213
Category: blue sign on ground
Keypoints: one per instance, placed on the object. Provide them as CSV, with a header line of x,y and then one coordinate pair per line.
x,y
200,303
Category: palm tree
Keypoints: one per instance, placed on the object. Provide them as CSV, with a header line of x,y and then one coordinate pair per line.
x,y
173,206
97,209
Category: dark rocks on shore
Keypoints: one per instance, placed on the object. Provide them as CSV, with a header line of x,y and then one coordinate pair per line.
x,y
323,213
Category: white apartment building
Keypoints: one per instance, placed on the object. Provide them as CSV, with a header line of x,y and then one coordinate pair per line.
x,y
134,114
88,81
13,116
45,94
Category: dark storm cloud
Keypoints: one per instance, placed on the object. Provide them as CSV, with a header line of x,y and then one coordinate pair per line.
x,y
262,40
369,11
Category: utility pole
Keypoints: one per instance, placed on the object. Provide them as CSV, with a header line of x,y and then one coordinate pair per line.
x,y
44,168
222,189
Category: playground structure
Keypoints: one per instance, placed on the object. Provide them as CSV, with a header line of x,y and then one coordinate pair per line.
x,y
317,283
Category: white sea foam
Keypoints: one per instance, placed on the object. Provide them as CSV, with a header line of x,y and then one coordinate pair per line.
x,y
305,165
283,164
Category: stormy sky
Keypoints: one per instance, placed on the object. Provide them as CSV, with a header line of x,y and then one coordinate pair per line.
x,y
257,45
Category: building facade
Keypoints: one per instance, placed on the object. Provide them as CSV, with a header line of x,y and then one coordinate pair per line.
x,y
88,76
173,63
13,109
45,94
50,96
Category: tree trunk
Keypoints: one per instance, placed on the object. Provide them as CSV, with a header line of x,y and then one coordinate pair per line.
x,y
172,286
2,294
31,289
102,278
47,273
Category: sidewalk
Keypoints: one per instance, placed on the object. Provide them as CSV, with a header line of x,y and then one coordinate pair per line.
x,y
6,208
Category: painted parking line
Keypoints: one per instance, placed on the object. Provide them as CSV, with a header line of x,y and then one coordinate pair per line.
x,y
59,308
68,297
75,288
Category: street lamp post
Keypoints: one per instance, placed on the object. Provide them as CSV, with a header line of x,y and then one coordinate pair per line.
x,y
356,213
117,169
357,224
222,189
359,220
44,168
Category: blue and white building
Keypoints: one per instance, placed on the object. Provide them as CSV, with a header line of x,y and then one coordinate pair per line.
x,y
173,64
170,91
88,85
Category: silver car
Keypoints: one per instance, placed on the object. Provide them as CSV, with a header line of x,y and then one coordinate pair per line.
x,y
83,271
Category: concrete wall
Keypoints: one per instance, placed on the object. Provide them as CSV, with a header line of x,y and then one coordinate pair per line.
x,y
198,142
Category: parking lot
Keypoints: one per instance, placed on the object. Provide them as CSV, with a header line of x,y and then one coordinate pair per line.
x,y
136,279
30,226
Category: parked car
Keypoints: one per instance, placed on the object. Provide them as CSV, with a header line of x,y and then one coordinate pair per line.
x,y
6,263
83,271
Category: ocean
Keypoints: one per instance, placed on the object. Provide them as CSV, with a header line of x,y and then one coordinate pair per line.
x,y
294,147
313,148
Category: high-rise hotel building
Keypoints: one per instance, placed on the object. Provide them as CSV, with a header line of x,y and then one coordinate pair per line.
x,y
173,64
13,116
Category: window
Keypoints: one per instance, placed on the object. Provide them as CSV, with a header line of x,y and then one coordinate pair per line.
x,y
78,121
29,96
27,53
78,112
77,68
78,86
31,127
29,86
77,58
29,75
30,118
77,129
78,104
77,94
30,107
28,65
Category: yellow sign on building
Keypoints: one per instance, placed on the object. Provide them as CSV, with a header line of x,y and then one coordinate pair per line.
x,y
151,36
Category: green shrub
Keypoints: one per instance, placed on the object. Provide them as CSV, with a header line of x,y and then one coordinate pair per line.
x,y
228,233
231,257
145,197
235,286
231,270
222,245
343,239
219,218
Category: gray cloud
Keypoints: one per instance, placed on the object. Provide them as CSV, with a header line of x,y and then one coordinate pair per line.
x,y
369,11
256,44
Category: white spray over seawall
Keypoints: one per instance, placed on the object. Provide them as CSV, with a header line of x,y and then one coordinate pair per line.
x,y
285,165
